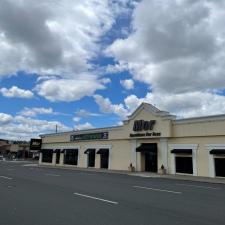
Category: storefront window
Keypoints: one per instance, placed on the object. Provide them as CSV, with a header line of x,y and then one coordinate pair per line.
x,y
184,165
71,156
47,155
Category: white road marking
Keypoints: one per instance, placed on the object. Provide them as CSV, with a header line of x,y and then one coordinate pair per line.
x,y
4,177
30,165
89,174
51,174
155,189
99,199
199,186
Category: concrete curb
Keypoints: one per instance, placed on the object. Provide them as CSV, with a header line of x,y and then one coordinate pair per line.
x,y
143,175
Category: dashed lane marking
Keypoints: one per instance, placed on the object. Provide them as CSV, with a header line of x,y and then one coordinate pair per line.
x,y
4,177
99,199
156,189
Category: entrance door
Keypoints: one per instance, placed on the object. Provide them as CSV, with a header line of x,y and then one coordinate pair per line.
x,y
91,158
57,156
220,167
104,160
151,161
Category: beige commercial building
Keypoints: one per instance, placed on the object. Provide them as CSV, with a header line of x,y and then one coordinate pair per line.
x,y
149,140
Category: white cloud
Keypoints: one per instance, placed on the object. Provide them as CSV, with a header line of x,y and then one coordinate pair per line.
x,y
183,105
15,92
57,39
5,118
106,106
69,89
20,127
85,113
76,119
177,49
127,84
84,126
32,112
51,38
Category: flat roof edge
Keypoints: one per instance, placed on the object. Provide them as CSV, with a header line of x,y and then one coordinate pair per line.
x,y
200,119
81,131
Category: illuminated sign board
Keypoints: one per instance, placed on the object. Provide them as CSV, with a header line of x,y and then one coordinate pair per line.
x,y
92,136
35,144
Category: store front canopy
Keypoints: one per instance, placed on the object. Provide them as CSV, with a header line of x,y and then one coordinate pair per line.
x,y
181,151
147,147
89,151
103,151
217,151
56,150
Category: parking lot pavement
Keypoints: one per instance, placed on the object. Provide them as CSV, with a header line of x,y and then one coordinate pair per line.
x,y
33,195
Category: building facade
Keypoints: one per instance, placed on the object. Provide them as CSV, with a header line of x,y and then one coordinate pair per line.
x,y
149,140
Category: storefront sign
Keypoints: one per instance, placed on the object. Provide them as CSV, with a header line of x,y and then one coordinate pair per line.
x,y
147,134
35,144
92,136
140,125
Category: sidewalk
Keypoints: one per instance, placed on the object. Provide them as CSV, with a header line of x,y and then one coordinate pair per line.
x,y
215,180
143,174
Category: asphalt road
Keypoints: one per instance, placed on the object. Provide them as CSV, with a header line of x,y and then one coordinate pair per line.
x,y
37,196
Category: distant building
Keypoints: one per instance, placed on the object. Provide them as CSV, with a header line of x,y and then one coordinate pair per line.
x,y
14,149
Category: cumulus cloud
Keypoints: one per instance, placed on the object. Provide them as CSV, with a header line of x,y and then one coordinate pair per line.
x,y
177,49
128,84
76,119
84,126
15,92
53,39
68,89
84,113
5,118
32,112
106,106
20,127
183,104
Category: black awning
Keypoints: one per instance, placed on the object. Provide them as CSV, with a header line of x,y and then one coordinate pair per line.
x,y
181,151
89,150
103,151
217,151
147,147
56,150
68,150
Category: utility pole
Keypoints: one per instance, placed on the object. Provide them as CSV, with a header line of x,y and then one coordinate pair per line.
x,y
56,128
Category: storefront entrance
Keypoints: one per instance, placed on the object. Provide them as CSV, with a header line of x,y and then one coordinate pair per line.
x,y
151,161
149,158
104,158
90,157
57,151
220,167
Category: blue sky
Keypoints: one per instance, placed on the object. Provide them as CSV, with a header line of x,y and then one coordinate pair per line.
x,y
90,63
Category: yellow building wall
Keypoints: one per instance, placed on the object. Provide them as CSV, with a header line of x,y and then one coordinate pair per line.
x,y
202,152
